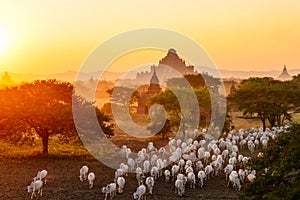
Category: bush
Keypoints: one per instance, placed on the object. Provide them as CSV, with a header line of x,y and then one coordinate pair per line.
x,y
282,179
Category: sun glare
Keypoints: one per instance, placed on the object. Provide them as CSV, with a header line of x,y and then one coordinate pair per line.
x,y
4,40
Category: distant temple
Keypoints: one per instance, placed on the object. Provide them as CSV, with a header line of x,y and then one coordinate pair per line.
x,y
284,76
6,80
173,60
153,89
232,88
171,66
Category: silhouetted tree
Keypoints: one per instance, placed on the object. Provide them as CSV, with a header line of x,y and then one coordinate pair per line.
x,y
44,106
123,97
106,108
194,80
84,113
296,80
266,98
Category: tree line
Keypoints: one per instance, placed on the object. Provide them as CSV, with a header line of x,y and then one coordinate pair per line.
x,y
270,100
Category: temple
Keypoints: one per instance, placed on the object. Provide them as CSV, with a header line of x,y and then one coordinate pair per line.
x,y
171,66
153,89
284,76
172,60
232,87
6,80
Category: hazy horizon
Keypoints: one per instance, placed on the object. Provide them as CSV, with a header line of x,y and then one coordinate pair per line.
x,y
147,69
111,76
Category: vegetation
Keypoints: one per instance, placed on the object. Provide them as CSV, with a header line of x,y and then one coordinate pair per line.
x,y
296,80
267,99
57,148
181,111
84,112
281,159
122,97
195,81
106,108
228,122
159,124
43,109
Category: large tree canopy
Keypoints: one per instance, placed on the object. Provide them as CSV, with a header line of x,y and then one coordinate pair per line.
x,y
267,99
183,115
44,106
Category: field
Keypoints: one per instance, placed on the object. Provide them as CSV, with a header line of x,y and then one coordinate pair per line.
x,y
63,181
19,166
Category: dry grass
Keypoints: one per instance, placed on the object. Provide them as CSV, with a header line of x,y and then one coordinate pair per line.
x,y
56,148
240,122
296,117
8,149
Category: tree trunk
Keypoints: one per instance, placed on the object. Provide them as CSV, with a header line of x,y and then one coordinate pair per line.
x,y
282,120
272,120
45,144
279,123
183,128
264,124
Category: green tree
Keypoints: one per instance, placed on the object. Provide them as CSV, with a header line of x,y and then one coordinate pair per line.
x,y
185,114
281,159
283,97
266,98
160,125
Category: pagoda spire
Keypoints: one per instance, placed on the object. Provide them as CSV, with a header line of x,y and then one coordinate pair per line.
x,y
6,79
284,76
154,83
154,78
232,88
284,69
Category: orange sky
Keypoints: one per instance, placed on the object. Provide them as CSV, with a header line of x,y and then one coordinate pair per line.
x,y
56,36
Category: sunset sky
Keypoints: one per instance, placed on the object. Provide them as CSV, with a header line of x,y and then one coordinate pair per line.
x,y
57,36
